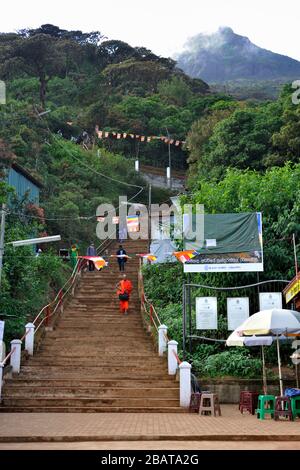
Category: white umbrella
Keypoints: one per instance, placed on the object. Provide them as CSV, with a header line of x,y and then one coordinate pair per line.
x,y
274,322
235,339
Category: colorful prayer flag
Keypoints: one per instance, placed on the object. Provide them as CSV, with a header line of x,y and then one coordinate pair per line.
x,y
184,256
148,256
132,223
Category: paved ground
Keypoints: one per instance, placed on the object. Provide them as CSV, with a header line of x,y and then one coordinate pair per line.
x,y
153,445
93,427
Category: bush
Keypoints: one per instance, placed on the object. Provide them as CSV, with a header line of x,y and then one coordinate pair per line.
x,y
236,363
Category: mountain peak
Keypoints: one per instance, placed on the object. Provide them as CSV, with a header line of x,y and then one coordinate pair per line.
x,y
225,55
225,30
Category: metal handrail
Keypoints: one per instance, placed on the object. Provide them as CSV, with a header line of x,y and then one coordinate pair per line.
x,y
145,302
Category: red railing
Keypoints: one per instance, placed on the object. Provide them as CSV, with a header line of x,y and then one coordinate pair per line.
x,y
150,314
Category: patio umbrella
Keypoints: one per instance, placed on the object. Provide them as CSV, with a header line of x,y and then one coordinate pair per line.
x,y
295,357
235,339
274,322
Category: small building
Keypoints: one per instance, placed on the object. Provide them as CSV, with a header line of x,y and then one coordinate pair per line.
x,y
24,183
292,293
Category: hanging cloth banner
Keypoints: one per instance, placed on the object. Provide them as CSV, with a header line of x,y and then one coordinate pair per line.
x,y
184,256
1,330
148,256
132,223
98,261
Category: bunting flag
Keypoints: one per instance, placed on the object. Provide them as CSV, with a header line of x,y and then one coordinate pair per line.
x,y
98,261
142,138
148,256
132,223
184,256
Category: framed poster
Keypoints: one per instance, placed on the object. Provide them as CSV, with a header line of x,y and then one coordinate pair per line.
x,y
206,313
268,300
237,311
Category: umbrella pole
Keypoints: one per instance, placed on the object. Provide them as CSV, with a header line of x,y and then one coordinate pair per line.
x,y
265,387
279,368
297,376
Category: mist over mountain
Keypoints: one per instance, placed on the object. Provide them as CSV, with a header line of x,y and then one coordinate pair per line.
x,y
224,56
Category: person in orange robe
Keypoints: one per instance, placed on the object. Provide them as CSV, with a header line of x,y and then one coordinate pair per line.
x,y
124,286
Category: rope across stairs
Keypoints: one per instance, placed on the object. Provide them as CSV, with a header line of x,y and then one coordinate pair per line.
x,y
95,359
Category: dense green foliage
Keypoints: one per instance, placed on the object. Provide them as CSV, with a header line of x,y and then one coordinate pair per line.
x,y
276,193
28,282
242,156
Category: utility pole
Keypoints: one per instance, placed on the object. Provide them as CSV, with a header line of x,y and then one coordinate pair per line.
x,y
170,162
2,232
295,254
149,216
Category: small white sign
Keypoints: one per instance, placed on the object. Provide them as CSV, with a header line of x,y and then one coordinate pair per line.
x,y
237,311
211,243
269,300
206,313
2,323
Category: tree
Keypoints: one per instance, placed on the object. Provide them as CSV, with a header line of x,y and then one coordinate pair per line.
x,y
38,56
175,91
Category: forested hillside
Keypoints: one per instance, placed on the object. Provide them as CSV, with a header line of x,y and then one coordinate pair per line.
x,y
240,155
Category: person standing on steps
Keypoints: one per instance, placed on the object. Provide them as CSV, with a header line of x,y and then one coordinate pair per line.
x,y
122,258
74,255
124,289
91,251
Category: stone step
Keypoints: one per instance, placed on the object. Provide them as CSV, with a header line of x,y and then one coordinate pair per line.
x,y
164,382
97,369
82,374
97,392
104,357
96,362
93,409
89,402
77,349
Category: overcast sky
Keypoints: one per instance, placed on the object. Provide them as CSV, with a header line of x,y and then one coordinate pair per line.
x,y
164,25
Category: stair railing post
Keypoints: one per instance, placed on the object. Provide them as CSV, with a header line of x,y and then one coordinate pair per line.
x,y
162,339
29,338
1,378
185,384
172,360
15,358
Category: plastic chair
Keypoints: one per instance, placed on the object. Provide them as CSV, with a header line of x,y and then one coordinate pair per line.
x,y
266,405
209,403
283,407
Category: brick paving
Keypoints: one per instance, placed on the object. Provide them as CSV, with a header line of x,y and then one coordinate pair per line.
x,y
154,445
94,427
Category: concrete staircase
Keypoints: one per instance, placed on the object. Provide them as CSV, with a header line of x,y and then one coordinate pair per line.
x,y
96,360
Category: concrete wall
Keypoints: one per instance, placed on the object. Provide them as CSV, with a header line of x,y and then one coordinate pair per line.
x,y
229,390
162,182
